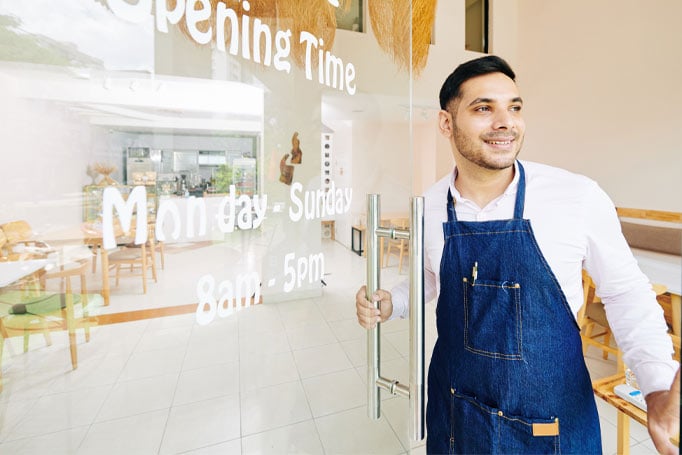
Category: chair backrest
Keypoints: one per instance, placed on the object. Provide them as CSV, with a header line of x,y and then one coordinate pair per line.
x,y
653,230
17,231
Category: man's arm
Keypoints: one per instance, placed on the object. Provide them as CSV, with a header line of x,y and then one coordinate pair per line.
x,y
636,319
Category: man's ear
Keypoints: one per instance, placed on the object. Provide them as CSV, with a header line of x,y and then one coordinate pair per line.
x,y
445,123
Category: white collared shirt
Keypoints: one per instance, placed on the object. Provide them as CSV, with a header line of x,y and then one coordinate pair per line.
x,y
576,226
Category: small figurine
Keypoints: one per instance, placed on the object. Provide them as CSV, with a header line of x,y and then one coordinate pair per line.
x,y
296,152
286,171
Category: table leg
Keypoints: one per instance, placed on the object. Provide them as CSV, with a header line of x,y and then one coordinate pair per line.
x,y
360,248
623,434
105,275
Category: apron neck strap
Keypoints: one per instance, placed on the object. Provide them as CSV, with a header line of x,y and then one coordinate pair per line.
x,y
518,206
520,193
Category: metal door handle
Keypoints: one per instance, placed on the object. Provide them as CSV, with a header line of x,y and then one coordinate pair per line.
x,y
375,382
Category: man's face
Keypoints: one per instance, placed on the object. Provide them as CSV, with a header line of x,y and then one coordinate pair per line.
x,y
485,122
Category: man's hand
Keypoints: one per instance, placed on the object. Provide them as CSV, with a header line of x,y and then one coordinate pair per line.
x,y
368,315
663,416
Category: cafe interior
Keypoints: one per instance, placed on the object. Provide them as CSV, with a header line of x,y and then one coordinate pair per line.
x,y
184,225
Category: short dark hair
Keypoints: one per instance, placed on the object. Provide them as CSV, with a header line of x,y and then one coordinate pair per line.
x,y
467,70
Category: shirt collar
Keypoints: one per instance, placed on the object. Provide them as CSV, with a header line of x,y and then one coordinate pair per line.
x,y
509,191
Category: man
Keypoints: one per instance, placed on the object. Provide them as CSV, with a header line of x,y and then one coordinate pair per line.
x,y
505,243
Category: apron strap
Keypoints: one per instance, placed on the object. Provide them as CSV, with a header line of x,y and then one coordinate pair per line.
x,y
520,193
452,215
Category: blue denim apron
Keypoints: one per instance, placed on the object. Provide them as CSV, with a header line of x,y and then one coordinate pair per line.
x,y
507,373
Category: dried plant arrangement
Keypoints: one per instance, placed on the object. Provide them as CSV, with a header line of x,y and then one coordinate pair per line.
x,y
105,170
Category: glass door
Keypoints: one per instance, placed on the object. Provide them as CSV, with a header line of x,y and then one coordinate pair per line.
x,y
201,297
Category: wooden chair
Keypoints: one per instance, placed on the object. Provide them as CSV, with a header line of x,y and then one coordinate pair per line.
x,y
399,247
17,242
25,313
592,316
158,245
137,258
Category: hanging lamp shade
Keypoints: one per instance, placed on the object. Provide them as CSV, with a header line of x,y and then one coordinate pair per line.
x,y
390,21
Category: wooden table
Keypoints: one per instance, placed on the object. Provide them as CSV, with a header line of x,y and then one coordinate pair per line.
x,y
603,388
12,271
360,230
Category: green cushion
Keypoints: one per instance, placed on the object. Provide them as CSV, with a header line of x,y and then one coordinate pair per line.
x,y
26,302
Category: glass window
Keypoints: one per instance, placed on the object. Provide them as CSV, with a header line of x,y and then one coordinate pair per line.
x,y
350,16
476,26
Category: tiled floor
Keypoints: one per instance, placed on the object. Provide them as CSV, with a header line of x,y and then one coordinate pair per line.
x,y
275,378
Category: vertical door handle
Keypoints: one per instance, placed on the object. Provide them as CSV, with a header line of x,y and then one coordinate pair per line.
x,y
375,382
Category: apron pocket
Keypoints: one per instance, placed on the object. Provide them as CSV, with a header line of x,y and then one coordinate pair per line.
x,y
478,428
492,319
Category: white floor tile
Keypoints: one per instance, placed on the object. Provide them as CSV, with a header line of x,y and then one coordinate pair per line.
x,y
60,411
262,343
321,359
352,432
397,413
206,352
335,392
20,384
347,329
297,312
356,350
263,371
309,334
91,372
272,407
233,447
398,340
128,398
143,433
11,413
198,425
260,319
337,311
298,438
395,325
643,448
59,443
165,338
208,382
153,363
220,331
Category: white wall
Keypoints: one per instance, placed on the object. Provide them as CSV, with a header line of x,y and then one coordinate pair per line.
x,y
601,85
600,82
44,164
